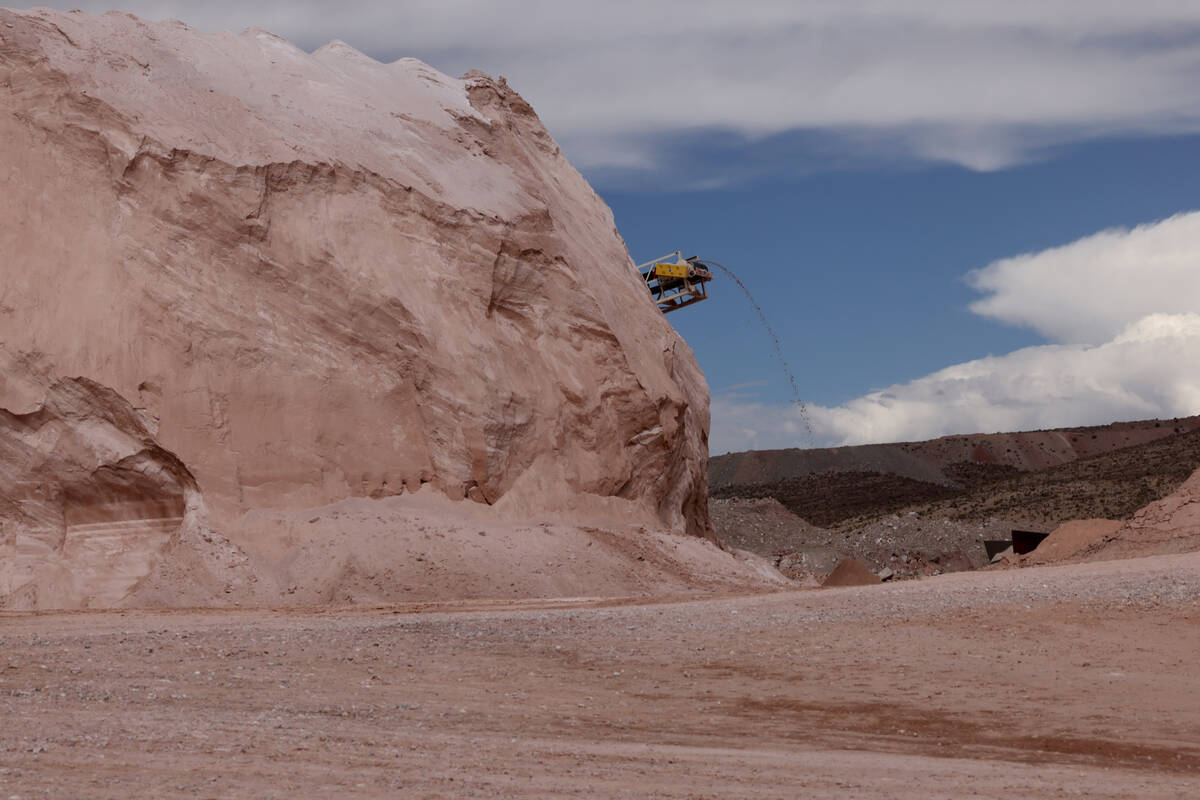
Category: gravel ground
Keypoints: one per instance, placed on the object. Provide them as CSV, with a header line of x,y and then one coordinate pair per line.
x,y
1040,682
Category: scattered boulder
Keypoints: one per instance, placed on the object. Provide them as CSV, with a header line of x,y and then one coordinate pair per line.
x,y
851,572
811,560
954,561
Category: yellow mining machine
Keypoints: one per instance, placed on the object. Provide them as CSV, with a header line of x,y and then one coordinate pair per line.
x,y
675,281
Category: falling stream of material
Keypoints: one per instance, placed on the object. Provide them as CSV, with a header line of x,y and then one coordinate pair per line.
x,y
787,370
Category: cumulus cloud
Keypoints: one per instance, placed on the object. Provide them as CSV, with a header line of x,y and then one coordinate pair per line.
x,y
1122,308
985,85
1088,291
1146,371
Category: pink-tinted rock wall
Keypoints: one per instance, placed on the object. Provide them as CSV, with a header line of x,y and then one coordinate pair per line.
x,y
319,277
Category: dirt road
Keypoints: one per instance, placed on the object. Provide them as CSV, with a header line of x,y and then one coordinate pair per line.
x,y
1046,682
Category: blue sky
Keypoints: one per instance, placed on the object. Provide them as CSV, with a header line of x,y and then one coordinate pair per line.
x,y
958,216
861,271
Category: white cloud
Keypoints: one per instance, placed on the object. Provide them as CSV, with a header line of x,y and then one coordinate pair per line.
x,y
1147,371
1087,291
981,84
1123,307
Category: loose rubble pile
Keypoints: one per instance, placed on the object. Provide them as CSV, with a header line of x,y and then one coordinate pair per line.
x,y
894,546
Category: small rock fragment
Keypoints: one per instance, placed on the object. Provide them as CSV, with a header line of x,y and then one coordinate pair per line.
x,y
851,572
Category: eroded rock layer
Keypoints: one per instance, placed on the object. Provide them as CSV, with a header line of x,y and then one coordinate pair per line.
x,y
87,497
317,277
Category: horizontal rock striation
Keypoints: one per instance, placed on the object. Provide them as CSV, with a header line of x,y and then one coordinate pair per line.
x,y
87,497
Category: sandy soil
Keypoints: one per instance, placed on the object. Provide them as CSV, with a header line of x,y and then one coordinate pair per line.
x,y
423,548
1043,682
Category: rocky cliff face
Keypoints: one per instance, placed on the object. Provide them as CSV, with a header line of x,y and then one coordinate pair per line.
x,y
280,280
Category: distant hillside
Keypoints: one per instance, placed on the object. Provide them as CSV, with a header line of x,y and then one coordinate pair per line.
x,y
1040,477
928,461
1111,486
771,466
